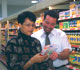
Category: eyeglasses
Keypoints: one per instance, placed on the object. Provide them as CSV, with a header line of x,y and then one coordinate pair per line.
x,y
29,25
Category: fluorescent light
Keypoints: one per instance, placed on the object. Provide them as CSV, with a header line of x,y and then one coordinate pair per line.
x,y
34,1
50,7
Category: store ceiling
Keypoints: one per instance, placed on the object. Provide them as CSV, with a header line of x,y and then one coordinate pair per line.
x,y
19,2
24,2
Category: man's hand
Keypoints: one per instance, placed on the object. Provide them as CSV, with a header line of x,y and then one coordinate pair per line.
x,y
54,56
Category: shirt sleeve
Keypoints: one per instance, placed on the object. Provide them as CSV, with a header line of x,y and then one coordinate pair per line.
x,y
64,42
12,57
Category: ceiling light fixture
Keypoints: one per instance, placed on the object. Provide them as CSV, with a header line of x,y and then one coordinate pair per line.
x,y
50,7
34,1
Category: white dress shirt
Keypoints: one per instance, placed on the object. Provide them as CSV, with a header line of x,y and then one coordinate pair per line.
x,y
56,37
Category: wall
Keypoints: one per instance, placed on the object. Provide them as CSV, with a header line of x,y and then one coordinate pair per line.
x,y
0,11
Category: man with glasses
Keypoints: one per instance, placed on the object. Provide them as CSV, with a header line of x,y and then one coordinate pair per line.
x,y
49,35
23,51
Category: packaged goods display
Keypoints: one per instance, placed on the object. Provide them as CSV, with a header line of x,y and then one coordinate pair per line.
x,y
71,26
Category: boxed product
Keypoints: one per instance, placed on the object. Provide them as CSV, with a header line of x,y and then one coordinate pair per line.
x,y
61,14
74,23
73,12
64,25
38,21
78,23
67,13
72,5
74,8
71,24
67,24
61,25
78,9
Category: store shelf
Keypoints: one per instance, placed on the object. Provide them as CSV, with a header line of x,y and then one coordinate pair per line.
x,y
12,34
3,28
76,46
69,18
9,28
68,29
13,28
72,67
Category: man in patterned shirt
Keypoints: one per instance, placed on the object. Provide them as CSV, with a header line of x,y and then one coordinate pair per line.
x,y
23,51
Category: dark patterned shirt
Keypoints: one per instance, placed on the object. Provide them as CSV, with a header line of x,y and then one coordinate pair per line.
x,y
19,50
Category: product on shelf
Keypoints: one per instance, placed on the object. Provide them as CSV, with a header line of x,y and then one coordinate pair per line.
x,y
61,25
61,14
67,13
75,8
74,58
38,22
71,28
73,12
74,38
78,23
78,9
72,24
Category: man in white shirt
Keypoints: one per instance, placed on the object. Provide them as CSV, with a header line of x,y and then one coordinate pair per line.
x,y
57,37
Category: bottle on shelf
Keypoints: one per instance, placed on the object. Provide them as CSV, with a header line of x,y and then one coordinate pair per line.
x,y
78,23
78,38
73,51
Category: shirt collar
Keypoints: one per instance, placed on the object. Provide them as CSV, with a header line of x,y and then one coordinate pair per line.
x,y
53,32
42,33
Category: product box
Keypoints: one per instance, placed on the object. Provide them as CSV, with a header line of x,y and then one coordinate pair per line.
x,y
71,24
61,25
38,22
65,25
72,5
61,14
74,8
73,59
78,59
74,23
73,12
67,13
78,23
78,9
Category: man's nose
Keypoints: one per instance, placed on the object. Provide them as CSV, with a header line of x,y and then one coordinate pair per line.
x,y
49,25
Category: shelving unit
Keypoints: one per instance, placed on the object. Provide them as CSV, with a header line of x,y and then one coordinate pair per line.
x,y
75,46
72,67
69,18
70,24
71,29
